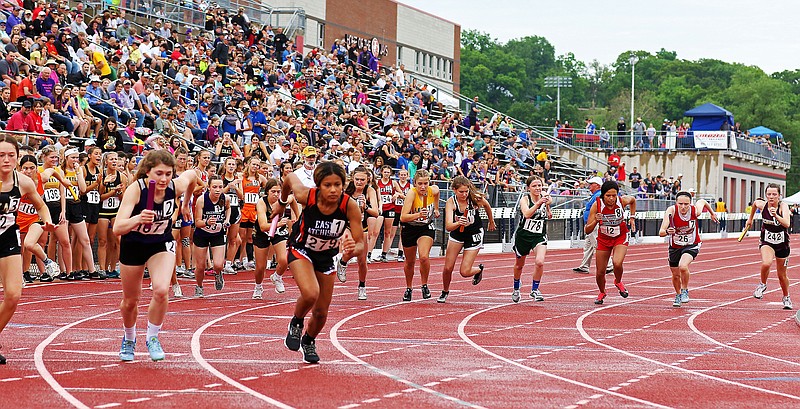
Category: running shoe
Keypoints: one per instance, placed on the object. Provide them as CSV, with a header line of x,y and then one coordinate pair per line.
x,y
684,296
623,292
677,302
537,295
278,281
362,293
609,271
176,290
271,265
310,353
250,265
26,276
599,299
238,266
258,292
199,292
154,348
51,268
407,295
581,270
219,281
292,340
46,278
515,296
426,293
75,276
210,272
401,258
787,303
126,350
759,292
180,271
113,274
62,276
189,274
97,275
478,277
382,258
443,298
2,360
341,269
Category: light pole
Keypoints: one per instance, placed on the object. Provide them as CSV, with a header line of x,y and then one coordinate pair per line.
x,y
558,83
633,59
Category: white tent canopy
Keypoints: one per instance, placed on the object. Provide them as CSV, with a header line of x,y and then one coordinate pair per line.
x,y
793,199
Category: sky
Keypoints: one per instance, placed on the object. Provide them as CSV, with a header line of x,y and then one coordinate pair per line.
x,y
764,34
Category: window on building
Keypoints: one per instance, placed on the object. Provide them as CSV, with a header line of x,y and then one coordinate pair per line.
x,y
321,35
399,55
424,63
430,65
439,67
417,61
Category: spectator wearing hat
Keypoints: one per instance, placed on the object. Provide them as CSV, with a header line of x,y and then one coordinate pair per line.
x,y
590,244
639,129
306,172
129,101
258,119
78,25
21,120
605,138
94,96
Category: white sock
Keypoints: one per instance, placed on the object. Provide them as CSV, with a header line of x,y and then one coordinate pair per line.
x,y
260,286
130,333
227,263
152,330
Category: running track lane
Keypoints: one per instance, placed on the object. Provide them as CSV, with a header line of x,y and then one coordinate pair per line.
x,y
430,326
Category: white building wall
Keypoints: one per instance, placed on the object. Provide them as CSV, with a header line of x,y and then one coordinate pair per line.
x,y
313,8
415,27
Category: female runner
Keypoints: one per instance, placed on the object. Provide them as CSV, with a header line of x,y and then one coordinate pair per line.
x,y
421,205
464,223
112,188
93,175
403,186
774,240
531,235
313,243
12,188
232,183
609,212
367,199
374,219
682,226
252,183
388,193
75,216
212,214
147,240
30,228
263,242
55,199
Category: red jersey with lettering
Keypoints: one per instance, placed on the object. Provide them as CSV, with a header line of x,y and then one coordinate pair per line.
x,y
686,231
398,204
386,192
612,220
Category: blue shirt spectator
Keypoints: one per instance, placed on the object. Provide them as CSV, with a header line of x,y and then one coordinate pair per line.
x,y
202,116
597,182
257,117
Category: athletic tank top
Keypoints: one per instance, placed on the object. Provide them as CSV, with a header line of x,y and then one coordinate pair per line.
x,y
386,192
27,214
160,231
537,223
280,231
52,190
212,209
473,218
421,202
73,191
612,219
318,232
91,197
112,202
398,204
772,233
233,198
9,205
251,189
686,231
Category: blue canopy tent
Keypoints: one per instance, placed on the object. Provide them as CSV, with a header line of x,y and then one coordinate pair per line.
x,y
709,117
763,130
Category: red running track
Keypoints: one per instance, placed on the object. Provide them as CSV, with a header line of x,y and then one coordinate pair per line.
x,y
723,349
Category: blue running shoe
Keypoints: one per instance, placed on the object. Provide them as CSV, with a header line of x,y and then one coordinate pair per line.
x,y
154,347
126,350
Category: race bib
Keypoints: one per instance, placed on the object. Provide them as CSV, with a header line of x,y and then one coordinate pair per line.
x,y
156,228
250,198
216,228
610,231
51,195
74,191
234,199
27,208
6,221
93,197
386,198
534,226
682,239
477,238
773,237
318,244
111,203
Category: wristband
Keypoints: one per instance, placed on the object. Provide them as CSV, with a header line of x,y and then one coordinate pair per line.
x,y
283,202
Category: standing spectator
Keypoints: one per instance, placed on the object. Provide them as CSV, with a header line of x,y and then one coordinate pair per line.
x,y
638,134
651,137
605,138
473,112
220,55
721,209
590,127
614,160
635,177
622,128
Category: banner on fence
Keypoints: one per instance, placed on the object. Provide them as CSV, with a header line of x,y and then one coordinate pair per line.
x,y
711,139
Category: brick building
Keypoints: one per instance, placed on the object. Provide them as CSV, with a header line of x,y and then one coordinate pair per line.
x,y
428,46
